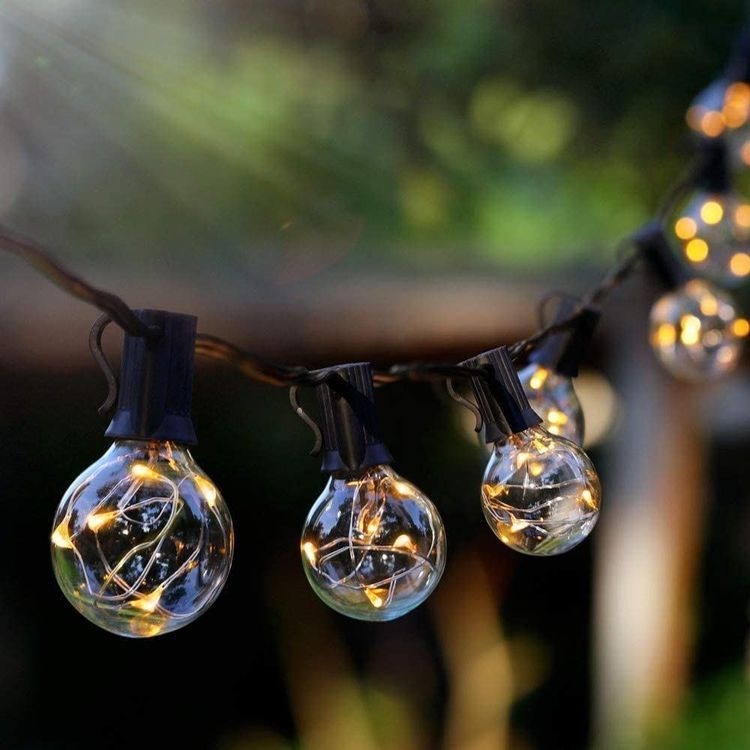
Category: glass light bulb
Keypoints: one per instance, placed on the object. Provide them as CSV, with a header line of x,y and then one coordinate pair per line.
x,y
722,106
142,541
373,546
714,232
696,331
540,493
554,399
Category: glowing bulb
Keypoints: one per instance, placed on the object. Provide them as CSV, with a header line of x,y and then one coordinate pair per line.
x,y
547,503
724,105
714,229
373,546
142,541
554,399
696,332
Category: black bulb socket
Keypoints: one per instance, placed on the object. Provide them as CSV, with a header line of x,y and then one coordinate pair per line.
x,y
351,433
660,258
500,396
156,381
563,352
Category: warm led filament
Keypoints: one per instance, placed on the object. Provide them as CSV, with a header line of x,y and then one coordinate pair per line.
x,y
554,399
373,546
714,232
142,541
540,493
696,331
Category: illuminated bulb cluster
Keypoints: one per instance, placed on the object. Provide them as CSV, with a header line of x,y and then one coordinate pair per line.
x,y
540,493
720,108
696,331
373,546
142,541
714,233
554,399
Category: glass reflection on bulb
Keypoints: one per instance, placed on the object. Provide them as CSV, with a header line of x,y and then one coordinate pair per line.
x,y
373,546
696,331
142,541
714,231
554,399
540,493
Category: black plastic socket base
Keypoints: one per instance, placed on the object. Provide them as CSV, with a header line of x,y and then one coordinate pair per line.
x,y
156,381
563,352
349,423
660,257
500,397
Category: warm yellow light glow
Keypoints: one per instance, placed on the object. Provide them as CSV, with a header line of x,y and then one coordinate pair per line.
x,y
709,304
696,250
144,628
495,490
141,471
745,152
377,597
536,468
518,524
712,212
742,215
538,379
741,328
404,542
685,228
557,417
61,536
148,602
712,124
403,488
691,327
665,335
96,520
739,264
522,458
738,93
207,489
310,552
373,526
588,499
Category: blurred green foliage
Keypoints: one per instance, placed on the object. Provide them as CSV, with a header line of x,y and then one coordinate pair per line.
x,y
415,132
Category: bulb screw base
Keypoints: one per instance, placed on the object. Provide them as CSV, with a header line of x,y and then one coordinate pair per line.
x,y
500,396
563,352
658,254
349,423
156,381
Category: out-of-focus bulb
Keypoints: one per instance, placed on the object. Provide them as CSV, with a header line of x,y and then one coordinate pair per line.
x,y
554,399
696,331
373,546
142,541
540,493
723,106
714,233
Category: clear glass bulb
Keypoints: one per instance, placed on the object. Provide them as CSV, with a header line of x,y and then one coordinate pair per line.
x,y
540,493
373,546
714,231
142,541
696,331
554,399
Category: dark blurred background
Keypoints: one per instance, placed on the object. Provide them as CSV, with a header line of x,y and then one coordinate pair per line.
x,y
332,180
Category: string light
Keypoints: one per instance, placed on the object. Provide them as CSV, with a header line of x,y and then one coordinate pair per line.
x,y
695,329
373,545
540,492
548,377
142,541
